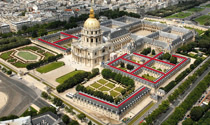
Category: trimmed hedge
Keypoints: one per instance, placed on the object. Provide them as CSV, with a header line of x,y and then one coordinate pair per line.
x,y
44,62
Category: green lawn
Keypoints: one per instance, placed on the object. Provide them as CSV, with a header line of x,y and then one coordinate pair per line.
x,y
191,54
202,19
12,60
67,76
113,93
19,64
104,88
6,55
34,48
27,55
41,51
123,68
110,85
91,88
151,78
197,30
196,9
179,15
47,55
95,85
102,81
133,60
119,89
50,67
141,113
106,93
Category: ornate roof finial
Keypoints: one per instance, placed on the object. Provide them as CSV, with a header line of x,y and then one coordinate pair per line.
x,y
91,10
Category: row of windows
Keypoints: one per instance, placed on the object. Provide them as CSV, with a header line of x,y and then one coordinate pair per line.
x,y
92,32
92,40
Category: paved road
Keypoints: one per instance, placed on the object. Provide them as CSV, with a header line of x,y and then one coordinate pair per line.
x,y
20,96
166,96
184,96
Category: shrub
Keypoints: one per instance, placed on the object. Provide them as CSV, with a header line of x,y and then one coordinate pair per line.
x,y
44,62
71,82
130,67
65,119
44,95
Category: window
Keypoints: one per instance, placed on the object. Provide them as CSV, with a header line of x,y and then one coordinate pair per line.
x,y
103,50
91,32
95,53
95,61
110,47
87,40
91,40
96,40
103,57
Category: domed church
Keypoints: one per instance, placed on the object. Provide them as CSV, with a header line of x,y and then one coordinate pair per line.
x,y
91,50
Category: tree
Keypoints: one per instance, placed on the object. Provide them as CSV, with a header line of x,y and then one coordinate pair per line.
x,y
118,77
66,119
73,122
106,73
122,64
29,113
24,27
81,116
47,109
8,117
173,60
130,67
196,113
90,123
34,34
123,91
153,52
44,95
9,72
188,121
166,56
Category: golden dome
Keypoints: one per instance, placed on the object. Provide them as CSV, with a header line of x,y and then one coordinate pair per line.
x,y
91,22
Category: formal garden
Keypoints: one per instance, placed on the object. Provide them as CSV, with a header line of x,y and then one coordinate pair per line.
x,y
107,87
23,56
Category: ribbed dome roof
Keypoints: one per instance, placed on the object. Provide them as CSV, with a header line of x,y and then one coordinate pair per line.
x,y
91,22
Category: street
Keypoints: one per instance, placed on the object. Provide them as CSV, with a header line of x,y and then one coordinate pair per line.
x,y
170,92
20,96
182,97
